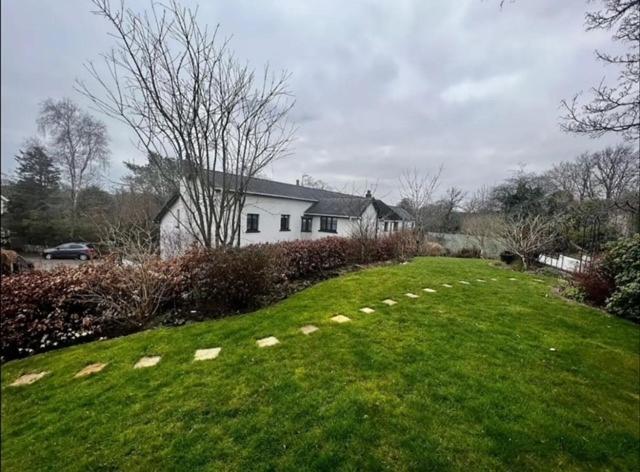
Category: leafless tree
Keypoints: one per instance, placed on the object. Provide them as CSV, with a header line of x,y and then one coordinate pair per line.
x,y
610,176
308,181
527,235
137,281
448,204
480,201
615,171
77,141
616,108
482,227
186,96
417,191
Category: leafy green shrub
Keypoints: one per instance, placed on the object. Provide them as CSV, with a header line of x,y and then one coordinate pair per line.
x,y
622,261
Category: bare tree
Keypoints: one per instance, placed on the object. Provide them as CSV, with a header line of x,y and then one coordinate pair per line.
x,y
138,280
482,228
308,181
447,205
417,191
480,201
616,108
575,178
527,235
615,171
77,141
185,96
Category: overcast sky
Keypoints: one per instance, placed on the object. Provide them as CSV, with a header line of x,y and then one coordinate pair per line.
x,y
380,86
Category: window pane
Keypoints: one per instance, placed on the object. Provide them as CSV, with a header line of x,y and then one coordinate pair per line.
x,y
284,223
252,222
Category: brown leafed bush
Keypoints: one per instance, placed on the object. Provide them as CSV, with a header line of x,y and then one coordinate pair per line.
x,y
595,285
229,279
430,248
44,310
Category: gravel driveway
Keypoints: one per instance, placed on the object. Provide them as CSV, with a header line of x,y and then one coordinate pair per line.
x,y
43,264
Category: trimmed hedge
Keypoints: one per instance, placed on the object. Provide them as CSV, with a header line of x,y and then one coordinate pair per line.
x,y
47,310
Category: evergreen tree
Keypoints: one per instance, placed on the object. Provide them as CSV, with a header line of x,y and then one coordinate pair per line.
x,y
33,210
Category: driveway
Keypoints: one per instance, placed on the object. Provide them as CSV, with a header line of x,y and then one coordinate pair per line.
x,y
43,264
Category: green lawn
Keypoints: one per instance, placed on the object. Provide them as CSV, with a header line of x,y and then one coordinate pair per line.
x,y
464,378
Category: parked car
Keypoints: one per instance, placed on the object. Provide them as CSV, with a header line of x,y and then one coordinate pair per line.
x,y
82,251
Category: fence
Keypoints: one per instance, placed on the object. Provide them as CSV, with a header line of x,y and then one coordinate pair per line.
x,y
565,263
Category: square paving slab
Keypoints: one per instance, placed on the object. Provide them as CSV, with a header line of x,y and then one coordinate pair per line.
x,y
90,369
28,379
411,295
447,285
147,362
389,302
367,310
206,354
309,329
429,290
340,319
267,342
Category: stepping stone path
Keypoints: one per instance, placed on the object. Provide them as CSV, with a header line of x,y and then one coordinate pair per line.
x,y
367,310
340,319
512,278
480,280
495,280
147,362
309,329
447,285
28,379
90,369
411,295
206,354
464,282
430,290
389,302
267,342
538,280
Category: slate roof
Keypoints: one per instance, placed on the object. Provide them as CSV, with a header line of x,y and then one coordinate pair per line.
x,y
384,211
402,213
258,186
339,206
323,202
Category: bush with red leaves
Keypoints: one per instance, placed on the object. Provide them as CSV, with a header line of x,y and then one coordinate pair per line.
x,y
42,310
45,310
595,283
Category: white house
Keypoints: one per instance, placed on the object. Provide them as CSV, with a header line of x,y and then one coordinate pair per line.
x,y
277,211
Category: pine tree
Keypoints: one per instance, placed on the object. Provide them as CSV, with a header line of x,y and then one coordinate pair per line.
x,y
33,210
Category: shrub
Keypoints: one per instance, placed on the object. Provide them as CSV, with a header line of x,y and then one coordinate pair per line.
x,y
303,258
622,262
432,249
42,310
468,252
229,279
594,283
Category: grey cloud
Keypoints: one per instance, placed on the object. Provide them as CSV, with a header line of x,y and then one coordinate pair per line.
x,y
380,86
